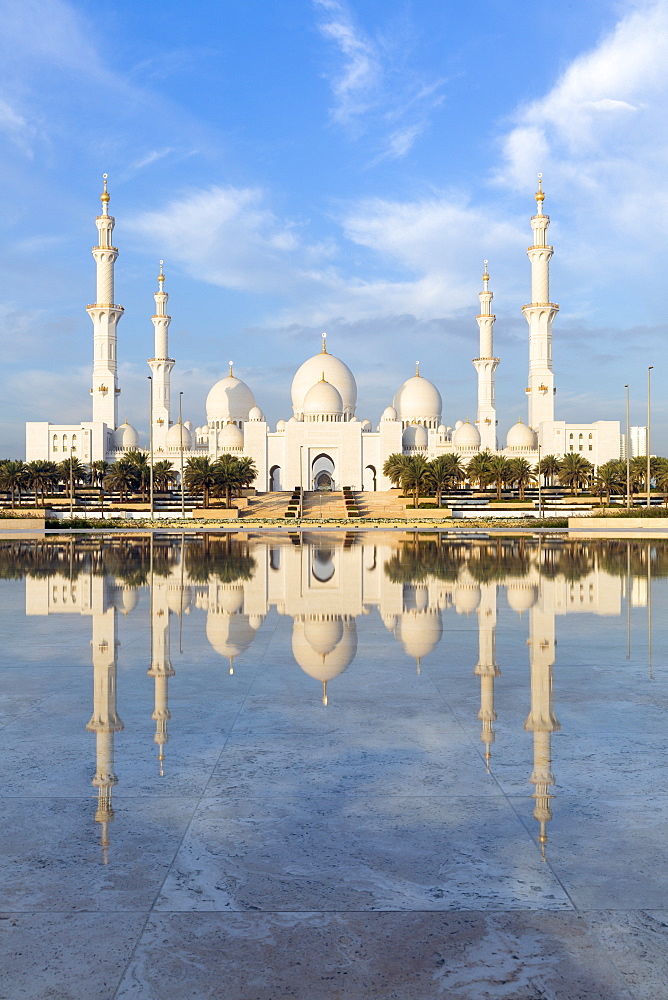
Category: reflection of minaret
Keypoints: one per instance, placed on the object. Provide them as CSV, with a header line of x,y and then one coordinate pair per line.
x,y
161,670
104,721
485,365
541,720
486,668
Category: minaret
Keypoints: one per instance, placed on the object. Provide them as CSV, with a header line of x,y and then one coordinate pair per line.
x,y
105,315
105,720
486,365
161,670
539,315
541,720
161,364
486,668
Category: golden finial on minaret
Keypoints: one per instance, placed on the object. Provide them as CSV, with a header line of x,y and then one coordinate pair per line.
x,y
417,369
104,197
485,276
231,657
540,194
230,364
324,693
161,276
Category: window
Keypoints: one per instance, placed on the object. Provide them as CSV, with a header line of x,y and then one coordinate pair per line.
x,y
570,436
591,447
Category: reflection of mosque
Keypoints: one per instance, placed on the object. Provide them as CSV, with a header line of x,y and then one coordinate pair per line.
x,y
325,586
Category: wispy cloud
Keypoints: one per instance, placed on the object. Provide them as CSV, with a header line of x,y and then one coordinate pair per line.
x,y
374,91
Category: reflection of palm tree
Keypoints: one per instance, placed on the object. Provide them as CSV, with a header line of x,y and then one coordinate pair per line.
x,y
223,559
422,559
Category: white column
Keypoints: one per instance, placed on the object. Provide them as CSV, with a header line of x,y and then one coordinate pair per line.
x,y
105,314
486,365
161,366
539,315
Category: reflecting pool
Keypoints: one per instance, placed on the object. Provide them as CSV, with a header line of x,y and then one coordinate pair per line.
x,y
334,766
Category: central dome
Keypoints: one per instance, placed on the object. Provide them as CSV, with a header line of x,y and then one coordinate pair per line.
x,y
418,401
335,372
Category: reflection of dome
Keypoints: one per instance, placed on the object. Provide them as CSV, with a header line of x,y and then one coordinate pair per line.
x,y
178,599
229,635
466,437
415,597
414,436
335,372
229,399
419,632
389,413
418,399
125,598
231,438
521,437
173,438
323,400
227,597
323,648
467,598
521,596
126,437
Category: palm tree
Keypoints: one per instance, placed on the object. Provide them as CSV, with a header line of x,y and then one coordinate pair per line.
x,y
394,467
200,474
41,476
662,483
232,475
499,472
478,470
121,477
575,471
610,478
164,474
520,474
12,478
71,470
549,467
414,476
138,460
444,472
98,471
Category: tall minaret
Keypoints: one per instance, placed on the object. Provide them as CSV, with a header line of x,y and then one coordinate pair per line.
x,y
105,720
486,366
105,315
539,315
541,720
161,364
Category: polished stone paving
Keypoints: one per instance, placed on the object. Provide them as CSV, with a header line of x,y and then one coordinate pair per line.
x,y
355,851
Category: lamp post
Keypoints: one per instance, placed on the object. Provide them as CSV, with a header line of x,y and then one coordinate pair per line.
x,y
183,495
540,492
71,485
150,445
628,452
649,435
301,482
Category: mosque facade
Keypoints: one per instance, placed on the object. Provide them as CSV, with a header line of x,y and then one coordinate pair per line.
x,y
323,443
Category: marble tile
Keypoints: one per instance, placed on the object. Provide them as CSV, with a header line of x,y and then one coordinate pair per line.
x,y
335,853
65,956
637,943
372,956
53,858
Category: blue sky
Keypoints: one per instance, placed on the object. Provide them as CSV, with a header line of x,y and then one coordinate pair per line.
x,y
309,165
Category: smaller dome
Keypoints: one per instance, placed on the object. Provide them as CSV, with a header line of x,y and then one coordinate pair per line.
x,y
467,598
126,437
188,424
521,437
255,413
322,399
442,429
280,426
466,436
173,439
521,596
458,424
389,413
293,420
414,436
366,425
231,438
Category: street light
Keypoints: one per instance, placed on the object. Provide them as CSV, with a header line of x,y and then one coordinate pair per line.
x,y
628,452
150,445
540,494
649,371
183,495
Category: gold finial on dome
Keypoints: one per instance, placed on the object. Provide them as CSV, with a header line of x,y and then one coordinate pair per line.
x,y
323,377
230,363
104,197
324,344
540,194
161,276
417,369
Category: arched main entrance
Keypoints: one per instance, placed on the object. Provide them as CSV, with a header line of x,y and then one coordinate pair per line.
x,y
322,473
275,479
369,479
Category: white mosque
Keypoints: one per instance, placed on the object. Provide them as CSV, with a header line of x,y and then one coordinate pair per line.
x,y
323,443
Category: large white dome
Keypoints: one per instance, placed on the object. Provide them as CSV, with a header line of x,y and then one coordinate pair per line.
x,y
466,437
229,399
323,400
173,439
521,438
418,400
333,371
126,437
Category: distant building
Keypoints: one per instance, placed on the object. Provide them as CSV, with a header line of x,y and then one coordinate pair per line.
x,y
324,443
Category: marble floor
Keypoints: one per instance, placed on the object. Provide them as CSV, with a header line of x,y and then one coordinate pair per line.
x,y
358,784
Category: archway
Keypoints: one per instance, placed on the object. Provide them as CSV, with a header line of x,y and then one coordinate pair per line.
x,y
369,484
275,479
322,473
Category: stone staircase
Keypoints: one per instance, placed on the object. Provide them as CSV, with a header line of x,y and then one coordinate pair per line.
x,y
381,504
324,505
267,505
